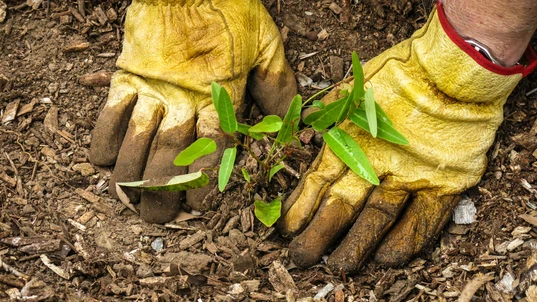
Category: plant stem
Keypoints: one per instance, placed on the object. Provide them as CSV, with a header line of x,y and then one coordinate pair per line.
x,y
318,93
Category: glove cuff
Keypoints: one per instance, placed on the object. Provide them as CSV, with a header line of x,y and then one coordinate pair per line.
x,y
457,69
170,2
529,55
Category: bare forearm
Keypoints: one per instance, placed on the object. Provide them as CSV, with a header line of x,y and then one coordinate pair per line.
x,y
505,27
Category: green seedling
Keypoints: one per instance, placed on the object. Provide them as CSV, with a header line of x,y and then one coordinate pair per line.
x,y
357,105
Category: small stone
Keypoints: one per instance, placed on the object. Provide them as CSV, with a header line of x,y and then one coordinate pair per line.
x,y
337,68
85,169
157,244
464,212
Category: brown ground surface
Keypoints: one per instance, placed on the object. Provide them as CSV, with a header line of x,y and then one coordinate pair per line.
x,y
62,238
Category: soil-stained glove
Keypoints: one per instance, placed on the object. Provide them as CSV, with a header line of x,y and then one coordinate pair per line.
x,y
160,100
447,100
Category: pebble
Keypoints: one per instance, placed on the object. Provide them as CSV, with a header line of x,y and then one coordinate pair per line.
x,y
157,244
85,169
464,212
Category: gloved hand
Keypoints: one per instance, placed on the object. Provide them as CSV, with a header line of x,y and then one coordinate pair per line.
x,y
447,100
160,100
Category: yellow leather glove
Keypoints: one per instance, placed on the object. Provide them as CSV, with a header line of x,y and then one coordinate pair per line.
x,y
160,100
447,100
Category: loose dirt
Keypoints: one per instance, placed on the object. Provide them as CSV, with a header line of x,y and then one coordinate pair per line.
x,y
62,238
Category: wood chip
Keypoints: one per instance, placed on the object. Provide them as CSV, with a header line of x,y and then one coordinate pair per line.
x,y
529,219
87,195
192,239
101,15
10,112
3,78
51,120
76,46
280,278
44,246
97,79
335,8
77,14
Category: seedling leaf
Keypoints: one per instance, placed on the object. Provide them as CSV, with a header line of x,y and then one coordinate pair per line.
x,y
270,123
318,104
226,167
199,148
290,121
322,119
215,93
275,170
243,128
371,111
350,153
224,108
172,183
246,175
268,213
358,73
386,130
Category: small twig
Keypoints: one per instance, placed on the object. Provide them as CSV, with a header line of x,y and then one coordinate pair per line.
x,y
13,271
531,92
346,13
16,171
34,170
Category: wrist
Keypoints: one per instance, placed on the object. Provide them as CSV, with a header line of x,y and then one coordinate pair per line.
x,y
505,34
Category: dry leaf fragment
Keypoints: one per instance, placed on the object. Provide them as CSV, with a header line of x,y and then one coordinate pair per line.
x,y
472,287
124,199
58,270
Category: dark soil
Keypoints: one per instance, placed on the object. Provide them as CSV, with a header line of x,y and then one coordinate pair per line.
x,y
63,238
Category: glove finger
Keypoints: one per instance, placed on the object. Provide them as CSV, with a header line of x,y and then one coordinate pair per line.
x,y
175,133
301,206
382,208
208,125
422,222
338,210
113,121
132,157
272,91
